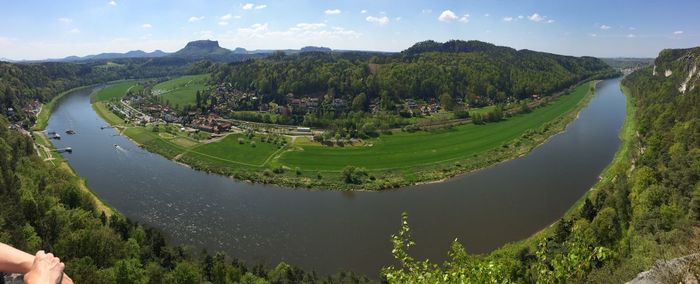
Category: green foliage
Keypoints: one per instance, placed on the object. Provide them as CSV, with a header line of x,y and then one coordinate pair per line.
x,y
426,71
354,175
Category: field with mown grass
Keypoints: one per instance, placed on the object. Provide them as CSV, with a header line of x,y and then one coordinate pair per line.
x,y
115,91
182,91
405,150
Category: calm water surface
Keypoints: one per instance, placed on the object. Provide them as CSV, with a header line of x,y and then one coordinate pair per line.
x,y
330,231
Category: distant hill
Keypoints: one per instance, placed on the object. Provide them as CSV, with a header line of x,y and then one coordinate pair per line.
x,y
452,46
627,62
474,71
315,49
202,49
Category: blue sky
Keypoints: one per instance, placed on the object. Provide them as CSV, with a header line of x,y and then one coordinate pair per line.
x,y
50,29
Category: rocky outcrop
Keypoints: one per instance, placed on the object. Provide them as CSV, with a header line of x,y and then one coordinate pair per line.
x,y
678,270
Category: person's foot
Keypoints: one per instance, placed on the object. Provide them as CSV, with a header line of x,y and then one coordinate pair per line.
x,y
46,269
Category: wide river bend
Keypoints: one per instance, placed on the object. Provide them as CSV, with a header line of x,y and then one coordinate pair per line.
x,y
330,231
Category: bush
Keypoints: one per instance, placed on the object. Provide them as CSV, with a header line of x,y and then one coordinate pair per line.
x,y
354,175
241,141
252,144
461,114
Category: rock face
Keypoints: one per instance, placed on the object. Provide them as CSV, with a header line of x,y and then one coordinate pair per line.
x,y
681,66
678,270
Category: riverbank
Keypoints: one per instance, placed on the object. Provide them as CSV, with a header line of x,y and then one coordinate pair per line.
x,y
43,117
621,162
422,157
47,151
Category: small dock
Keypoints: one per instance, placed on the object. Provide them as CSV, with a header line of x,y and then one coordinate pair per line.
x,y
106,127
65,150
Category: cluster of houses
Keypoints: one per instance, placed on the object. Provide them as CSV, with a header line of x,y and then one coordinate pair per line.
x,y
33,108
211,123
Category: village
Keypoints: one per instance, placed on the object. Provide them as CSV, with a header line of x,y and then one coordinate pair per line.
x,y
229,110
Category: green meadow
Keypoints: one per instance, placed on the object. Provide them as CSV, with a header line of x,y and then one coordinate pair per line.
x,y
397,159
115,91
182,91
405,150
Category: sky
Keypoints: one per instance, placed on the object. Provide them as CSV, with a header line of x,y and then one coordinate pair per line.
x,y
34,30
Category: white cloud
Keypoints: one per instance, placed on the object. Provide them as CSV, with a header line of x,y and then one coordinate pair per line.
x,y
65,20
593,35
147,26
223,23
383,20
225,17
75,31
521,17
447,16
308,26
113,3
256,30
464,19
507,19
302,34
631,36
248,6
678,32
261,6
332,12
397,19
426,11
537,18
487,15
195,19
363,12
632,28
604,27
206,34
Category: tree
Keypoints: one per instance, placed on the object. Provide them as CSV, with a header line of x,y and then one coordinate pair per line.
x,y
359,102
606,226
446,101
186,273
354,175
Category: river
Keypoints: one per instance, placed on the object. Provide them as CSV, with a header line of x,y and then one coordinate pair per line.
x,y
331,231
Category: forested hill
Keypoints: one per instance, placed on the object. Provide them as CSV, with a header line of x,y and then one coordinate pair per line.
x,y
469,70
21,84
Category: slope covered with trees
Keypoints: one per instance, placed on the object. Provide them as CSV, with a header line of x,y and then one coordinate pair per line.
x,y
470,70
21,84
645,208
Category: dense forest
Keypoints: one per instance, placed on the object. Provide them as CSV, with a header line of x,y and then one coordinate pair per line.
x,y
472,71
24,83
645,208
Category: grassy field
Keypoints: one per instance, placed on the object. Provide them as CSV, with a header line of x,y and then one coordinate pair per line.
x,y
406,158
229,150
405,150
182,90
115,91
